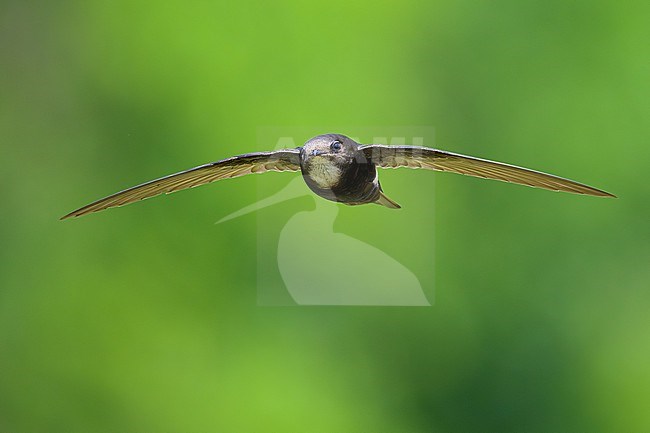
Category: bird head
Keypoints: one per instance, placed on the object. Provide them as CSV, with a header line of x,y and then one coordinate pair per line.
x,y
335,148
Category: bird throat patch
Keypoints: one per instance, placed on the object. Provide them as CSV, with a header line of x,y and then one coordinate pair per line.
x,y
324,172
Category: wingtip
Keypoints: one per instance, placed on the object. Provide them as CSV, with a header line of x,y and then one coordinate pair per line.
x,y
601,193
68,216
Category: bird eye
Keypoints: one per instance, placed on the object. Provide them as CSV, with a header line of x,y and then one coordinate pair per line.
x,y
335,146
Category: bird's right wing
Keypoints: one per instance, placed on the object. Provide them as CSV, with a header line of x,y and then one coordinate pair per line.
x,y
281,160
432,159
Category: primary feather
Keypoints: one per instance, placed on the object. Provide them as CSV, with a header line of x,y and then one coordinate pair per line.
x,y
432,159
281,160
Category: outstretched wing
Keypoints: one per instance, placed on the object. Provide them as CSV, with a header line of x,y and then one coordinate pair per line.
x,y
281,160
423,157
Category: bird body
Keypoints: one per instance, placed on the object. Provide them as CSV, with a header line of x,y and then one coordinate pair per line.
x,y
335,169
339,169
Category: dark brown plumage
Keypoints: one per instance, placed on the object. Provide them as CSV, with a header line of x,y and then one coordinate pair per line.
x,y
339,169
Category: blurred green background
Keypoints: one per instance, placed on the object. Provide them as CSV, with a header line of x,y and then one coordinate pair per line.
x,y
144,319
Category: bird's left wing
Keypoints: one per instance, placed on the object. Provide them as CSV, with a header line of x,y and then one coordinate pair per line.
x,y
432,159
281,160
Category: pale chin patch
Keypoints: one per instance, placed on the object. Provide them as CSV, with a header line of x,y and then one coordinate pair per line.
x,y
324,172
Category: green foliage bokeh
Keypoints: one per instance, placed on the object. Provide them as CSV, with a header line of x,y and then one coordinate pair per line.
x,y
144,319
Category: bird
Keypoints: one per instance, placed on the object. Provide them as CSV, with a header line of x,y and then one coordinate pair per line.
x,y
337,168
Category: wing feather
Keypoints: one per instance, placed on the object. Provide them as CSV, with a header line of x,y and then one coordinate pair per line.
x,y
431,159
261,162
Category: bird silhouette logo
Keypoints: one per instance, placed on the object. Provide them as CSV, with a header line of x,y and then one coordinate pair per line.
x,y
334,268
